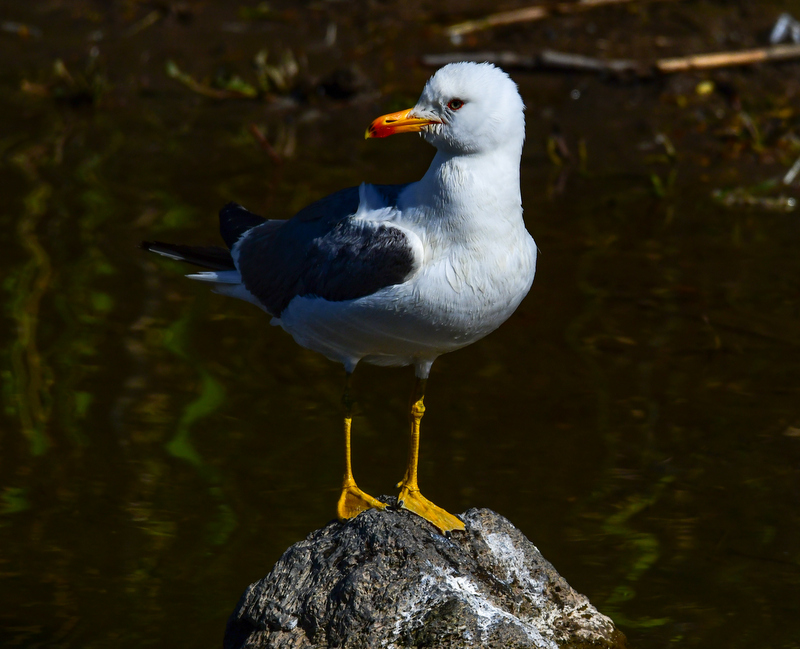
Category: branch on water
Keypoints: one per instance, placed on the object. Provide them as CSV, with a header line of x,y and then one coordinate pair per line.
x,y
546,59
504,59
529,14
728,59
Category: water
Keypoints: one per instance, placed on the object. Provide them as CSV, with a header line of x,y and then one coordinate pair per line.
x,y
160,446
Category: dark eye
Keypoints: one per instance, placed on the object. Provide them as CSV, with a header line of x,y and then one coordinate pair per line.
x,y
455,104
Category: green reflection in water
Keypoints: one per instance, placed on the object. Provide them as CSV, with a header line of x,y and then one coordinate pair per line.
x,y
210,399
29,380
643,549
176,214
13,500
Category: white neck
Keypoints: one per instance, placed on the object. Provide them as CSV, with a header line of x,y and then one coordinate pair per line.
x,y
471,192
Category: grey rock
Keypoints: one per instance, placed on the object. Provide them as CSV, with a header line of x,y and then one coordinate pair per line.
x,y
389,579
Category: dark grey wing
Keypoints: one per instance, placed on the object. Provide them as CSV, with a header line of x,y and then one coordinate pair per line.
x,y
234,221
324,252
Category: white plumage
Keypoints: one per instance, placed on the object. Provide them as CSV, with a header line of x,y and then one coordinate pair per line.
x,y
474,260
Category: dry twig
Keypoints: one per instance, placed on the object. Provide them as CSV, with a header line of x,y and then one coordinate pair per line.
x,y
528,14
504,59
567,61
263,142
728,59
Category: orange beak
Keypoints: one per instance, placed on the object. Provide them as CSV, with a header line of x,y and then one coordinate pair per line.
x,y
398,122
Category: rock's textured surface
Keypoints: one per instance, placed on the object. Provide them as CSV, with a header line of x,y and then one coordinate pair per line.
x,y
388,579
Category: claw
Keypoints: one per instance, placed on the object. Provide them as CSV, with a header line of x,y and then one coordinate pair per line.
x,y
353,501
415,502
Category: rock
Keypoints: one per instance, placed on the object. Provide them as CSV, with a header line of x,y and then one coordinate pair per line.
x,y
388,579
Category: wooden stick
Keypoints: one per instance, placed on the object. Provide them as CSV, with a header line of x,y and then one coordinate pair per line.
x,y
505,59
549,59
728,59
566,61
527,14
492,20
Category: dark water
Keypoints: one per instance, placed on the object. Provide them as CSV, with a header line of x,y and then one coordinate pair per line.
x,y
638,418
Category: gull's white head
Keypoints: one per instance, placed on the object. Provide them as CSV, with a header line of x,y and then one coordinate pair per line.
x,y
465,108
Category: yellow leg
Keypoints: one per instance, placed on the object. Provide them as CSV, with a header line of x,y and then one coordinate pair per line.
x,y
353,501
410,498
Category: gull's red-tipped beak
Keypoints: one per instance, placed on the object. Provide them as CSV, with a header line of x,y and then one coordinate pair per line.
x,y
399,122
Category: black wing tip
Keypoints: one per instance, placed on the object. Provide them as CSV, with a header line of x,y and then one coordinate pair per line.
x,y
211,257
232,208
235,220
157,247
171,250
229,206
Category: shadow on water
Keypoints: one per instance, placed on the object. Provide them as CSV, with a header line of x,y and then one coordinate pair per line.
x,y
637,418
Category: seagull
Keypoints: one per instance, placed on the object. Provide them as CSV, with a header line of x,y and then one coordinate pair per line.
x,y
396,275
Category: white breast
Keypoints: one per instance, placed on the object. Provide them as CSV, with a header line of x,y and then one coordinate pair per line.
x,y
455,299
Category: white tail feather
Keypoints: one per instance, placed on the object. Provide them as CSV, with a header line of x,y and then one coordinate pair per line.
x,y
218,277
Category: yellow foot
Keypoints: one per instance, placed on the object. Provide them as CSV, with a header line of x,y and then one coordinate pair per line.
x,y
414,501
353,501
